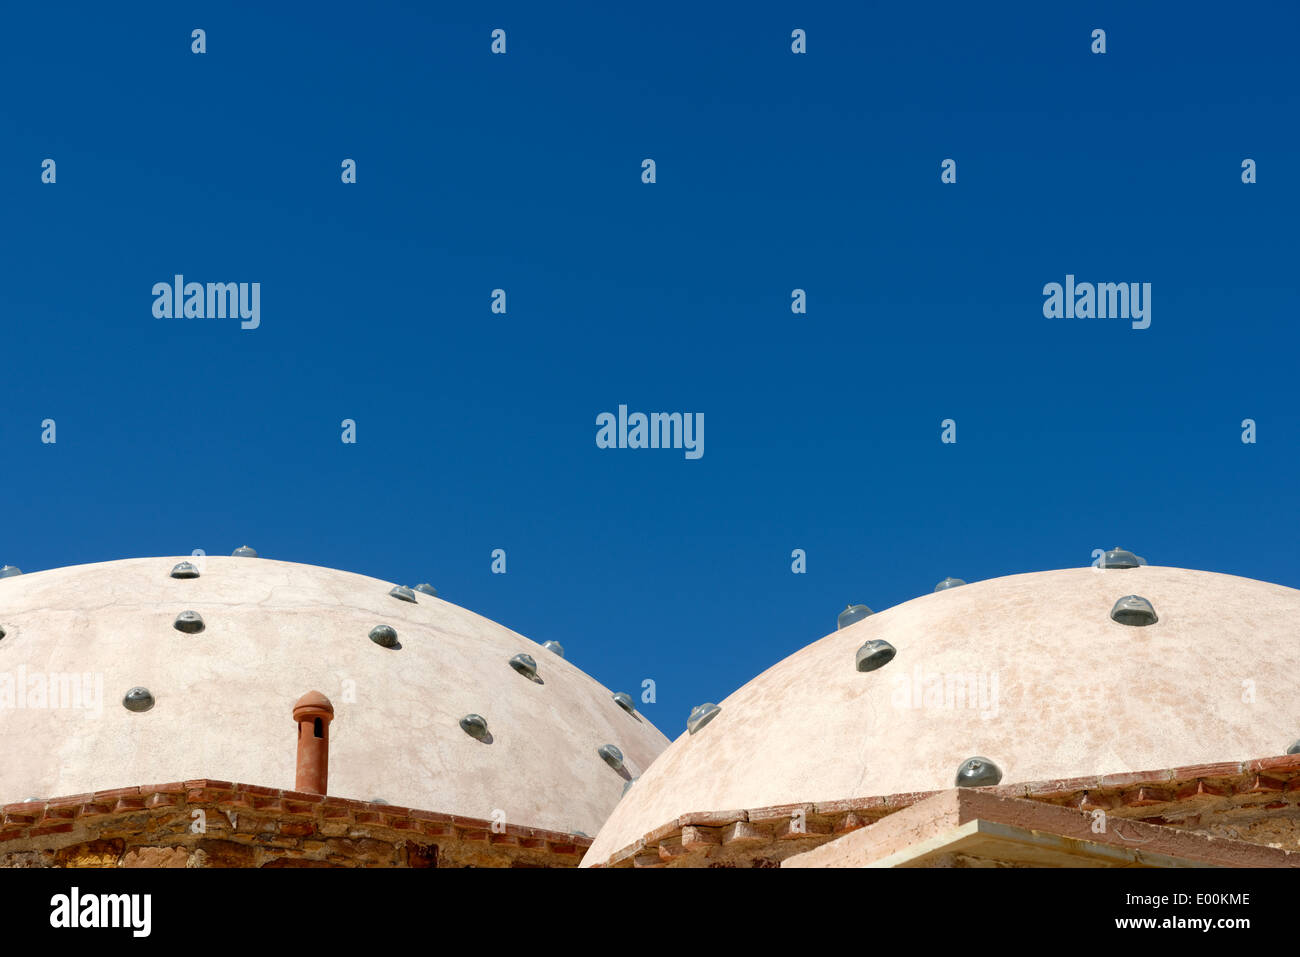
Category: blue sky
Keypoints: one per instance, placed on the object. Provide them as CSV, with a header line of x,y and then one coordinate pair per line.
x,y
775,171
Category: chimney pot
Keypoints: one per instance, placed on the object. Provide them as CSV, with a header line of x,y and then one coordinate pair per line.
x,y
313,714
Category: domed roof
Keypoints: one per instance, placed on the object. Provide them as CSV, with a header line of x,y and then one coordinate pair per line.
x,y
1029,671
223,698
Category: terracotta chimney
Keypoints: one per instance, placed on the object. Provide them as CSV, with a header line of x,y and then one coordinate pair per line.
x,y
313,712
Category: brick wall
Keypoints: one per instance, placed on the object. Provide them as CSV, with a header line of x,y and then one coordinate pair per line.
x,y
207,823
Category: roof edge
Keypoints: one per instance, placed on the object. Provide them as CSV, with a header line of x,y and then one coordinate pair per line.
x,y
814,823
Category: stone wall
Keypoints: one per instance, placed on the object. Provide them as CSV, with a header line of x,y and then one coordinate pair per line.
x,y
219,824
1255,801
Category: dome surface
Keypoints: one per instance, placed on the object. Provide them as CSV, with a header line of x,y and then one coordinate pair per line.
x,y
224,698
1029,672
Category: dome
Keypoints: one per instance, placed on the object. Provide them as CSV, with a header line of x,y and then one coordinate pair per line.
x,y
1028,674
279,633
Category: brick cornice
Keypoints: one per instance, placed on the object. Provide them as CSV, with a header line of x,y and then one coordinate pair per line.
x,y
269,814
1145,795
